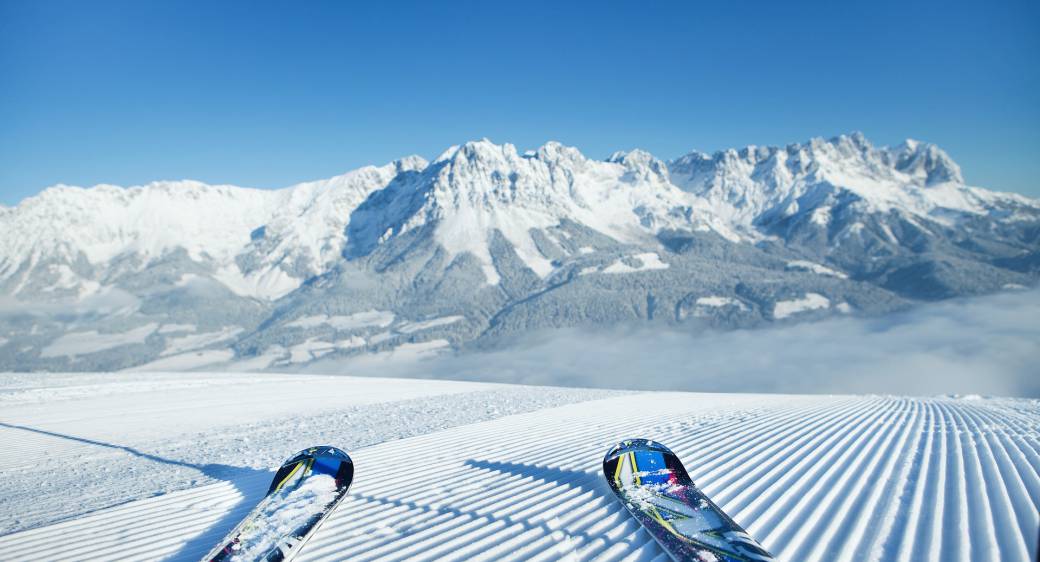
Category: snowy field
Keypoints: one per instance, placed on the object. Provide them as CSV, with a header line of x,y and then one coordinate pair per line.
x,y
161,466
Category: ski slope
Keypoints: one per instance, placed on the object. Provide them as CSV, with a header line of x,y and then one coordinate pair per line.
x,y
161,466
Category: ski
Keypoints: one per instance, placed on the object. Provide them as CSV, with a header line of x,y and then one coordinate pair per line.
x,y
305,490
653,485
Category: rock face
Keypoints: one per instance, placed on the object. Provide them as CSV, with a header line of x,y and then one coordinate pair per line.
x,y
487,242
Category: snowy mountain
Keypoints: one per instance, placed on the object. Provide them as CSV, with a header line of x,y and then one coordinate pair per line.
x,y
486,242
831,189
475,190
257,243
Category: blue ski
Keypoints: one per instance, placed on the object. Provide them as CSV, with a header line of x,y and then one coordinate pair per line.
x,y
653,485
303,493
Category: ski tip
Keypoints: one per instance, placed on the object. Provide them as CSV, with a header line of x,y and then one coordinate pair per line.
x,y
628,445
321,451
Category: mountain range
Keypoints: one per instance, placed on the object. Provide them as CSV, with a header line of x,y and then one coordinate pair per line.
x,y
486,243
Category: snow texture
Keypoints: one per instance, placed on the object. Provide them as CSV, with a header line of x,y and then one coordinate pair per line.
x,y
80,343
718,302
447,473
355,321
811,301
411,327
802,265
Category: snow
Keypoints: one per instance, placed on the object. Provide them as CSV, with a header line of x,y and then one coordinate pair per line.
x,y
213,224
262,361
821,216
648,261
704,306
743,187
412,351
186,279
479,188
84,343
469,193
67,279
105,221
811,301
270,284
188,361
175,328
358,320
196,341
135,435
412,327
422,348
716,301
380,337
802,265
889,234
351,342
314,348
477,471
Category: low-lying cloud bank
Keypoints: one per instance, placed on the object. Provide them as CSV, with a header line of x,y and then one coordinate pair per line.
x,y
988,345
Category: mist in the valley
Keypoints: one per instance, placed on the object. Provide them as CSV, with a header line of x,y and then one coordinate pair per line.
x,y
987,345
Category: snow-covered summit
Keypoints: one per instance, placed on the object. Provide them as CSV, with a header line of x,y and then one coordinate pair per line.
x,y
308,233
925,162
477,188
266,243
487,241
258,242
105,221
756,186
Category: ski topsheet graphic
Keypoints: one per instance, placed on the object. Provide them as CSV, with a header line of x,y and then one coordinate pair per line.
x,y
653,485
303,493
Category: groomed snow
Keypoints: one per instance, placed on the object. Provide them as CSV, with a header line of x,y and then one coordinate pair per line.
x,y
188,361
406,352
83,343
716,301
378,318
411,327
802,265
135,435
811,301
196,341
647,261
472,471
315,348
269,356
177,328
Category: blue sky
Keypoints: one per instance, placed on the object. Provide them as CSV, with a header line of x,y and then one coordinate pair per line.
x,y
267,94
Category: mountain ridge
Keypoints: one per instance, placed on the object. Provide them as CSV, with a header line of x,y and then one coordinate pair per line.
x,y
502,242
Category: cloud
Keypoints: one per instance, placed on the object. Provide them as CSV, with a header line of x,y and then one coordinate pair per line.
x,y
988,345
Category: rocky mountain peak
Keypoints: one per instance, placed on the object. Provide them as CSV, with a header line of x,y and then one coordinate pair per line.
x,y
927,162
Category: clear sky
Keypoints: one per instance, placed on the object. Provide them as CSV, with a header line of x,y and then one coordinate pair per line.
x,y
267,94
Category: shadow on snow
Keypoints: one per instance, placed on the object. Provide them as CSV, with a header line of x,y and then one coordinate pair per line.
x,y
250,483
427,511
